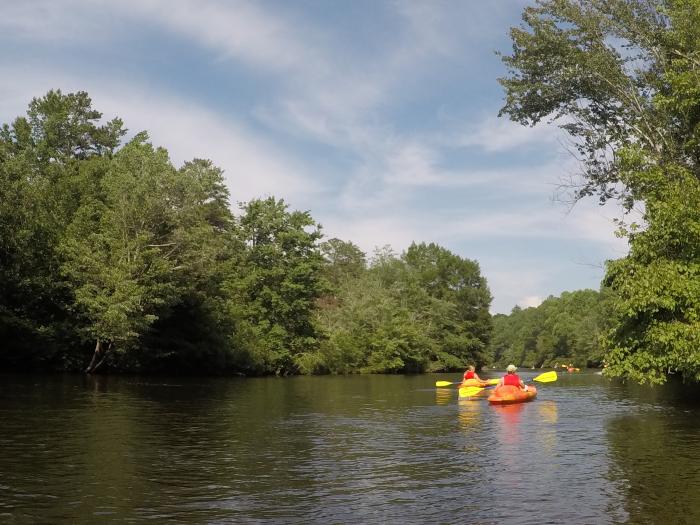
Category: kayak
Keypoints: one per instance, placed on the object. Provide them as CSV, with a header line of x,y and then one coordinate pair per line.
x,y
472,382
508,395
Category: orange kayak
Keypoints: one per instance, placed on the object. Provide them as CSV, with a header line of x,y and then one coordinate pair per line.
x,y
508,395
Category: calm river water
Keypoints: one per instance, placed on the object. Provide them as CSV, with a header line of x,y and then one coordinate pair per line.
x,y
361,449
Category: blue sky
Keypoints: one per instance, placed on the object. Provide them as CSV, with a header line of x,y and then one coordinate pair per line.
x,y
379,117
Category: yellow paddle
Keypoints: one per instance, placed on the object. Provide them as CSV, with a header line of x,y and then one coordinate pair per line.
x,y
547,377
470,391
448,383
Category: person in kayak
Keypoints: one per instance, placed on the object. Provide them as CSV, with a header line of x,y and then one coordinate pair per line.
x,y
511,378
471,374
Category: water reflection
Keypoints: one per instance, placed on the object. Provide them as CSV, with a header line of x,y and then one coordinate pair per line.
x,y
509,422
444,396
469,415
548,414
547,411
374,449
96,383
654,449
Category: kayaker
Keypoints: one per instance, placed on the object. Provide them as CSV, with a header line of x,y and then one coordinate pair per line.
x,y
511,378
471,374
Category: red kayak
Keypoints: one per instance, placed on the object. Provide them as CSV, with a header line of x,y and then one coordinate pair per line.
x,y
508,395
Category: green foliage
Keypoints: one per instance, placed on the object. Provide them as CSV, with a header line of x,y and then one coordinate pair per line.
x,y
427,310
592,64
342,261
121,247
48,161
561,330
657,301
99,242
624,77
276,285
458,293
110,243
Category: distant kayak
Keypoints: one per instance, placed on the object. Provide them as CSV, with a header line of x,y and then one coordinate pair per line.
x,y
508,395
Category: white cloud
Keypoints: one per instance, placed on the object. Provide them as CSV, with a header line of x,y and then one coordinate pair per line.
x,y
236,29
317,91
508,285
412,164
498,134
529,301
428,22
370,232
49,20
525,223
253,165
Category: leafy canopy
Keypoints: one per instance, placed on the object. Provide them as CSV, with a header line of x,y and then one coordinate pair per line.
x,y
621,77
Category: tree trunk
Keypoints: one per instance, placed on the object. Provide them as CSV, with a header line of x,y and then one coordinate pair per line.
x,y
104,356
95,355
98,354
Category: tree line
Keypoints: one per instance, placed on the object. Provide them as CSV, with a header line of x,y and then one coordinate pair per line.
x,y
106,243
561,331
109,251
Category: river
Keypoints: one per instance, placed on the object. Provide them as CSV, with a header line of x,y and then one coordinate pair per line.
x,y
359,449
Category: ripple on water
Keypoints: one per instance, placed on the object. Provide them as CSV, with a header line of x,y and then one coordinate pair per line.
x,y
343,450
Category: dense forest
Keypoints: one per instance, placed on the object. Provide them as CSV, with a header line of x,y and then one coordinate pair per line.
x,y
107,246
109,252
561,331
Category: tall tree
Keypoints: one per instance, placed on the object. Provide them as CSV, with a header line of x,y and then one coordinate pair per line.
x,y
49,161
125,246
343,260
422,311
623,77
194,333
274,294
466,330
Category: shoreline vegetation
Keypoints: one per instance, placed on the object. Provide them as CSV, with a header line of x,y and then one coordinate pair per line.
x,y
112,256
106,245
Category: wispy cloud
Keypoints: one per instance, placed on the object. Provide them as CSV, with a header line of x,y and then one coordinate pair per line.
x,y
48,20
331,126
511,287
254,166
238,30
498,134
530,300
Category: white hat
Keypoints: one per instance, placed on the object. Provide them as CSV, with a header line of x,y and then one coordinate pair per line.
x,y
511,368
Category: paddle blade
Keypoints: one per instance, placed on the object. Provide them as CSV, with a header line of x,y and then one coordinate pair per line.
x,y
547,377
493,381
469,391
443,383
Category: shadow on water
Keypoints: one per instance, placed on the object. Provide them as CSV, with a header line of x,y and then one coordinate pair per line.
x,y
654,447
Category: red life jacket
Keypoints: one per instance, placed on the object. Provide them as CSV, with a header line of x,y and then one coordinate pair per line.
x,y
468,375
511,379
